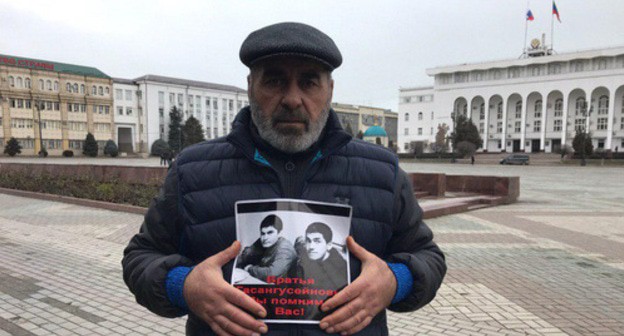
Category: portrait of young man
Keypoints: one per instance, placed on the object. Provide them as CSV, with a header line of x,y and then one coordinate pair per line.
x,y
269,255
320,260
287,144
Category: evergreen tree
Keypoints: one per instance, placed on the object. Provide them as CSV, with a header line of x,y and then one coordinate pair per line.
x,y
582,138
440,145
465,130
159,146
348,129
175,130
111,148
12,147
90,146
192,132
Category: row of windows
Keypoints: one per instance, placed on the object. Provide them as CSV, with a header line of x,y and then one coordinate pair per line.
x,y
554,68
417,99
57,144
48,85
129,94
195,102
420,116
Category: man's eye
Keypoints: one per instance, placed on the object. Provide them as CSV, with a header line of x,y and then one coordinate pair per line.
x,y
308,83
273,81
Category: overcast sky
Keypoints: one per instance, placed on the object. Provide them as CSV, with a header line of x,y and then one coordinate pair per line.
x,y
385,44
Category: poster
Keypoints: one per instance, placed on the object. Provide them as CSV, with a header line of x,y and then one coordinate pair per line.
x,y
293,256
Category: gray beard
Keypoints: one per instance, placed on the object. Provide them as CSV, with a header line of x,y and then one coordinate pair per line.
x,y
288,142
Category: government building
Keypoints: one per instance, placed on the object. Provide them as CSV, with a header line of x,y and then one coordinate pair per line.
x,y
53,105
531,104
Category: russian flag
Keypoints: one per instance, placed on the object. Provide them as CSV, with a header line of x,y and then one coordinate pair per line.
x,y
556,12
530,16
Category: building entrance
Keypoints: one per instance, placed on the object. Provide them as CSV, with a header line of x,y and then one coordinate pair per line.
x,y
516,146
556,146
535,146
124,139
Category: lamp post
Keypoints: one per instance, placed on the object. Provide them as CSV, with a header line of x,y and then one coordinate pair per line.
x,y
38,107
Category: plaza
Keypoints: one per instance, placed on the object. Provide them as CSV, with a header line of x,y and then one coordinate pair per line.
x,y
550,264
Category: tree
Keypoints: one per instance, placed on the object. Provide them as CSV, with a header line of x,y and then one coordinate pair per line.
x,y
192,132
90,146
111,148
582,138
466,148
12,147
175,129
465,130
348,129
160,146
439,146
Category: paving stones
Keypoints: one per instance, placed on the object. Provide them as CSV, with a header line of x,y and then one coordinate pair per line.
x,y
536,267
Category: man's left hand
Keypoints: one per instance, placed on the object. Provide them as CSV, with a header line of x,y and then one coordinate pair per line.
x,y
358,303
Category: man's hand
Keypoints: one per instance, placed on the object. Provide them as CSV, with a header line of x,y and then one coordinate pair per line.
x,y
215,301
364,298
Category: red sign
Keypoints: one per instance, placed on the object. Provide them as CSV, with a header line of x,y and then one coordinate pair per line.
x,y
25,63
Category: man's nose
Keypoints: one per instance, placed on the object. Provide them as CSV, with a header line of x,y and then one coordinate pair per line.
x,y
292,98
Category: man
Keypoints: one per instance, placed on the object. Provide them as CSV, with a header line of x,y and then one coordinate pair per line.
x,y
270,255
321,261
288,143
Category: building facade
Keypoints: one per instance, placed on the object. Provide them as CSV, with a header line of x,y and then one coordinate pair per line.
x,y
142,107
53,105
532,104
356,119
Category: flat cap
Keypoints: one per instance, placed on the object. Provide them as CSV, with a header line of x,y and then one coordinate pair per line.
x,y
290,39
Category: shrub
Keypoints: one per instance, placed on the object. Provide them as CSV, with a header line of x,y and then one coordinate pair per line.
x,y
12,147
159,146
465,148
90,146
111,148
68,153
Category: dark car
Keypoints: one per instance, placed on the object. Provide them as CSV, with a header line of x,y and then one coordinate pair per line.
x,y
521,159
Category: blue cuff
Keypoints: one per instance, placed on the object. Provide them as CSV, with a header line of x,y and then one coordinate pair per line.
x,y
175,286
404,280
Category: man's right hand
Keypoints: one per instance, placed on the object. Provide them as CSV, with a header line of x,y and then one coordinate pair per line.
x,y
225,308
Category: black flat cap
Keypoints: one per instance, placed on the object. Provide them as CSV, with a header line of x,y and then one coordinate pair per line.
x,y
290,39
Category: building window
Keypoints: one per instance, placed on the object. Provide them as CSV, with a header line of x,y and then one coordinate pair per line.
x,y
180,99
161,112
118,94
577,66
482,111
499,127
558,107
517,127
538,109
579,124
519,110
557,125
603,105
497,74
120,110
622,125
75,88
68,87
537,125
513,73
94,90
420,115
56,85
499,111
11,81
27,83
554,68
602,123
82,88
41,84
128,111
407,116
431,115
600,64
536,71
481,127
419,130
161,98
406,131
581,107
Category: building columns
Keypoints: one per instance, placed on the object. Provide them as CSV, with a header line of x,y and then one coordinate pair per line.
x,y
543,120
523,119
611,115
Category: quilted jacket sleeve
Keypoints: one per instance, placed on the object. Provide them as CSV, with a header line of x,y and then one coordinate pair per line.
x,y
153,252
412,244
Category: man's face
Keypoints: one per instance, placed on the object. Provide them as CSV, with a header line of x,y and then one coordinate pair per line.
x,y
268,236
316,246
290,100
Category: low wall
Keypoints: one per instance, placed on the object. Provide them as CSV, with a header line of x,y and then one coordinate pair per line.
x,y
507,187
134,175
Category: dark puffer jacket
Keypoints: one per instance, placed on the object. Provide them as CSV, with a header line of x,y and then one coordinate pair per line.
x,y
193,217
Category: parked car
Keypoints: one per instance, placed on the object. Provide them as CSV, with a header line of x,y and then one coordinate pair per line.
x,y
521,159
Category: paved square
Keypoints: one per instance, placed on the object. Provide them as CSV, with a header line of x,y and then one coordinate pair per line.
x,y
551,264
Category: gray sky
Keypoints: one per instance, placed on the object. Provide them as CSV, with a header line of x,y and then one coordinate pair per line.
x,y
385,44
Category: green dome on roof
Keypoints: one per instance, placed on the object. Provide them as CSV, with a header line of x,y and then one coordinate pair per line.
x,y
375,131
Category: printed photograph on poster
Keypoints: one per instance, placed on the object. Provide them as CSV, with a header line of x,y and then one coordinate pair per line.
x,y
293,257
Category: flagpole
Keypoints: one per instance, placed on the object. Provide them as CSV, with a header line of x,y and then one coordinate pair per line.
x,y
526,27
552,30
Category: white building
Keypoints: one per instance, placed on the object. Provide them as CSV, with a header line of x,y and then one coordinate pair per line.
x,y
530,104
142,107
